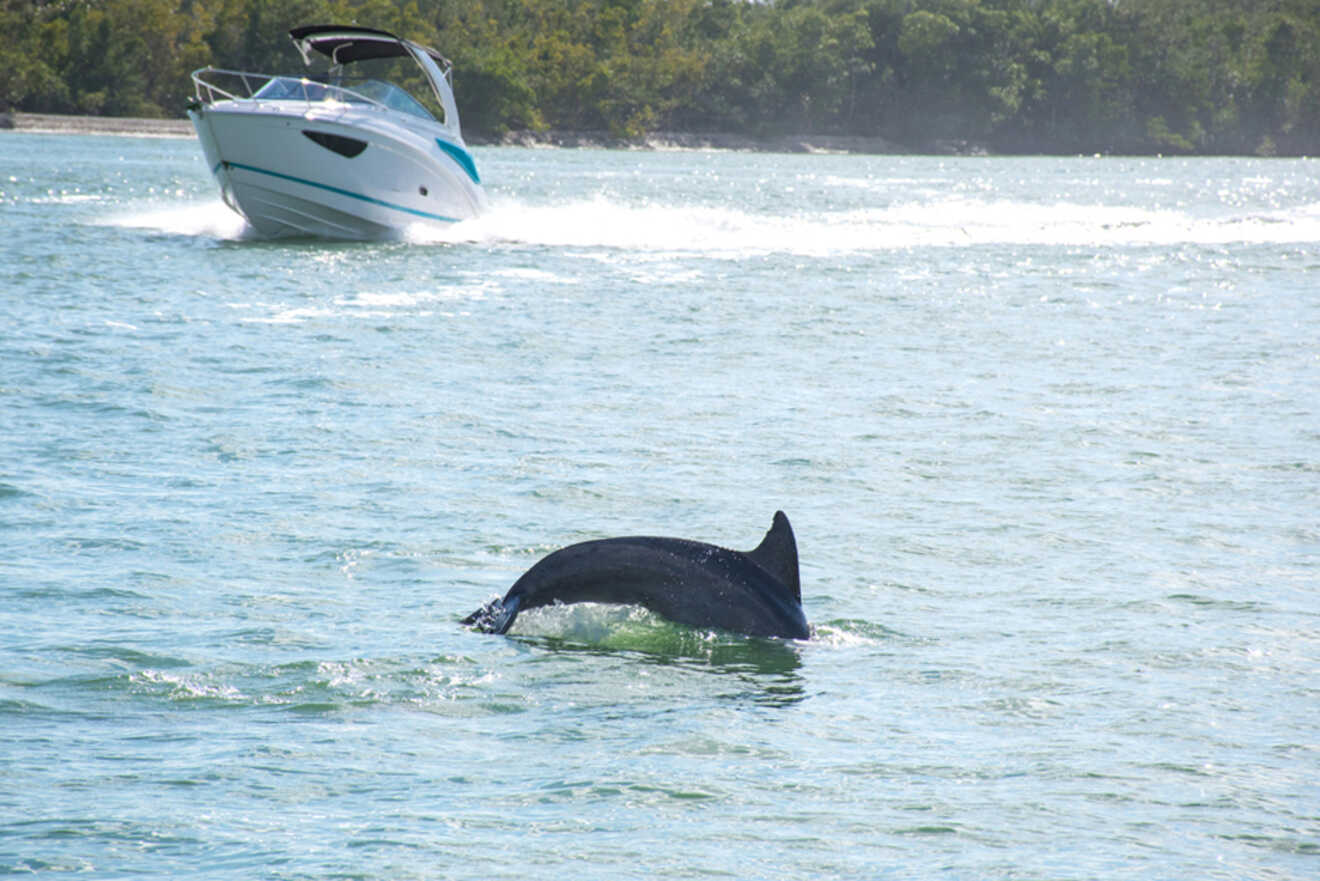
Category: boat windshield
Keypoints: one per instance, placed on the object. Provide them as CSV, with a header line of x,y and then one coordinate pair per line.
x,y
346,91
390,95
395,81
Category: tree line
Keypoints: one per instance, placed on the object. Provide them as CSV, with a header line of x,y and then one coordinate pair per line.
x,y
1132,76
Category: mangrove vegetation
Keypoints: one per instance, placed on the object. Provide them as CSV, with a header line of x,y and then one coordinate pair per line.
x,y
1135,76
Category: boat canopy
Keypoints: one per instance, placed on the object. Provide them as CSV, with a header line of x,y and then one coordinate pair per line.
x,y
344,44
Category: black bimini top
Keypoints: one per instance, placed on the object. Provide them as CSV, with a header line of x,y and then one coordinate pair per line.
x,y
344,44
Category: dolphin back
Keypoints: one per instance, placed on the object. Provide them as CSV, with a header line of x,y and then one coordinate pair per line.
x,y
757,592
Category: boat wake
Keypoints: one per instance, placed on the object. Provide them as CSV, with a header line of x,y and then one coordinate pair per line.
x,y
715,231
719,231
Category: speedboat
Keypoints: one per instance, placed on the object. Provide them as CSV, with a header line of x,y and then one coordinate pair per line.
x,y
365,145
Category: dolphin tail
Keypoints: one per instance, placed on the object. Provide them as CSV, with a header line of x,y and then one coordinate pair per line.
x,y
777,554
494,617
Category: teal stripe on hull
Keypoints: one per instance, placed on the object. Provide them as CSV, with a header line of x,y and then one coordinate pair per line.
x,y
342,192
462,157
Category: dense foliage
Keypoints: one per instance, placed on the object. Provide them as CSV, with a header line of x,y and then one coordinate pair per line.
x,y
1229,76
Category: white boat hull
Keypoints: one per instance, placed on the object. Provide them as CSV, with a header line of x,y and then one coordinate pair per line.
x,y
274,167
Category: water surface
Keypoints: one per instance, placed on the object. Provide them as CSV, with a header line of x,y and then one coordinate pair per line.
x,y
1047,431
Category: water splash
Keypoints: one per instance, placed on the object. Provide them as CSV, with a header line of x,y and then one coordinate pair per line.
x,y
212,219
717,231
722,232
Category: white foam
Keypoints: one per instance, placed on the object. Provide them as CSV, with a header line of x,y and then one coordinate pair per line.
x,y
645,229
387,301
212,219
953,221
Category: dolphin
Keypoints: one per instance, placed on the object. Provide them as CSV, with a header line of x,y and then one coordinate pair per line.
x,y
755,592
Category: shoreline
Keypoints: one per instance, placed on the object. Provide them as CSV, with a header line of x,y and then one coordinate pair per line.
x,y
64,124
842,144
863,145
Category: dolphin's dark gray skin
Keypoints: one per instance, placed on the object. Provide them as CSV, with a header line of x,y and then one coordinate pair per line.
x,y
754,592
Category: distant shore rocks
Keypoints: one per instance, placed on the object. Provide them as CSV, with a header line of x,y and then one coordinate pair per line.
x,y
698,141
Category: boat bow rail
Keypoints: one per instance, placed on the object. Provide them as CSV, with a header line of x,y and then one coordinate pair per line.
x,y
212,84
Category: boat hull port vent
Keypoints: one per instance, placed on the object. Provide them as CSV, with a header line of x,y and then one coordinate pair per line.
x,y
349,147
422,190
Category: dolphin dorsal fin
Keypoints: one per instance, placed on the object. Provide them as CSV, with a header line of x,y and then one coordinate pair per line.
x,y
777,554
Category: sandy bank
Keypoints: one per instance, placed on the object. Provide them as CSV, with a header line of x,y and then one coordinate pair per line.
x,y
55,123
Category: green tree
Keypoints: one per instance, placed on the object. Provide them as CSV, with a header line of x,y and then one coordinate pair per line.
x,y
25,73
1138,75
